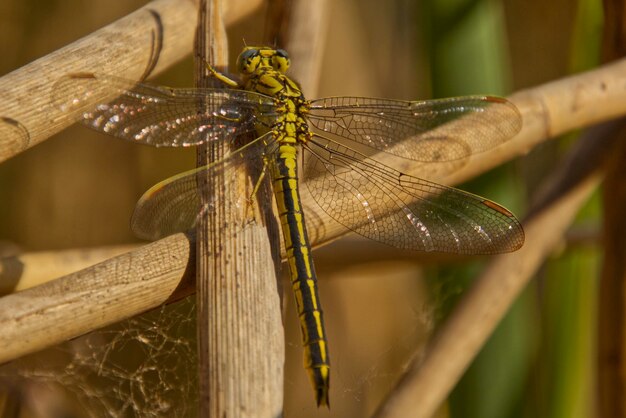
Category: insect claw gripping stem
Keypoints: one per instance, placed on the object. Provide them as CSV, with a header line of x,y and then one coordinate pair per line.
x,y
221,77
257,186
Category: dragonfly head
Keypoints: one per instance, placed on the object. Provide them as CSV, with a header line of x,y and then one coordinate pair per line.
x,y
253,58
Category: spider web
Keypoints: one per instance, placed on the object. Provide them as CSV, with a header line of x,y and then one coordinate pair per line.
x,y
144,366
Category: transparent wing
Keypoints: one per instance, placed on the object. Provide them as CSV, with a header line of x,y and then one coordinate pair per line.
x,y
175,204
406,212
427,131
161,116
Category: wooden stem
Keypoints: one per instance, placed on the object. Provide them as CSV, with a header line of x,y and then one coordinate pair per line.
x,y
240,334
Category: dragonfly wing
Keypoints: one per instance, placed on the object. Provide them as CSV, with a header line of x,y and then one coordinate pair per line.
x,y
175,204
406,212
160,116
426,131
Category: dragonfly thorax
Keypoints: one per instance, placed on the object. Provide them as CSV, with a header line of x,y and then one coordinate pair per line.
x,y
263,70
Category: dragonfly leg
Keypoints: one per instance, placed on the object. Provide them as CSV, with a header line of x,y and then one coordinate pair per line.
x,y
222,77
257,186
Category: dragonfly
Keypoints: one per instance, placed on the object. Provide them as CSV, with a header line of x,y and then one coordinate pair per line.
x,y
327,148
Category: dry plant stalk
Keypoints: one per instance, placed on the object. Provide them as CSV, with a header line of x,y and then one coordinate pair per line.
x,y
141,44
433,374
100,295
240,334
427,384
26,270
241,339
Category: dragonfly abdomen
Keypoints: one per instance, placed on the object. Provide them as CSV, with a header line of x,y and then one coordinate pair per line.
x,y
302,271
263,71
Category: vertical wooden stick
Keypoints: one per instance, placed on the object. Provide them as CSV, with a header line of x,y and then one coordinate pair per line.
x,y
240,335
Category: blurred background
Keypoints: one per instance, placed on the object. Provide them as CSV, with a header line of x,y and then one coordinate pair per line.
x,y
78,189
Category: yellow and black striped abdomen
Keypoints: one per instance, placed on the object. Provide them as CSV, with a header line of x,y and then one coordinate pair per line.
x,y
302,270
263,69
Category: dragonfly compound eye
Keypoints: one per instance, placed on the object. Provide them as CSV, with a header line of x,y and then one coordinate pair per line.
x,y
248,61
